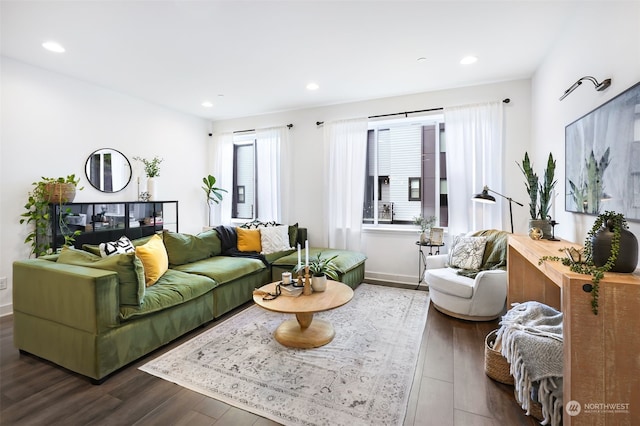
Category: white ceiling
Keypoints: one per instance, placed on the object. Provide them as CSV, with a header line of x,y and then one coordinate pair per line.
x,y
261,54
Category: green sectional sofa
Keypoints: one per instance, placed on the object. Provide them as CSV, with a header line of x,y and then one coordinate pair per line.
x,y
94,321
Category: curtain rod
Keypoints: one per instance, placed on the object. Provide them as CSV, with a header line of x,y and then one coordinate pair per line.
x,y
289,126
319,123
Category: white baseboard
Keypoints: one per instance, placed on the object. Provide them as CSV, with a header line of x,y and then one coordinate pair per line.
x,y
383,277
6,310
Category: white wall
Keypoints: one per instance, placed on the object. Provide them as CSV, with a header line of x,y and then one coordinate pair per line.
x,y
50,125
393,255
603,42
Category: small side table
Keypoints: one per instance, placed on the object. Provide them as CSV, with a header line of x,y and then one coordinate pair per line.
x,y
422,258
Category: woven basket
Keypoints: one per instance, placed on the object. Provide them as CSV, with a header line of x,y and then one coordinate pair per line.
x,y
495,365
58,192
535,408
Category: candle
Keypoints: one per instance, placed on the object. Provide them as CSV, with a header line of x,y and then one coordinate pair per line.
x,y
306,252
299,261
553,204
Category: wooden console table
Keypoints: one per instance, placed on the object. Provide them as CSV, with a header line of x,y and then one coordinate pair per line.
x,y
601,352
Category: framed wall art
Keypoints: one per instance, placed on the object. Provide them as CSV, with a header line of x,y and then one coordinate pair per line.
x,y
602,158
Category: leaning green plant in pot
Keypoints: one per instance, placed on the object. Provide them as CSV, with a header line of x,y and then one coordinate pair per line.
x,y
38,212
212,193
540,193
588,264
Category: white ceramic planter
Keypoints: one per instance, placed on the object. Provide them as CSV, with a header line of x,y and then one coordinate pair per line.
x,y
153,189
319,283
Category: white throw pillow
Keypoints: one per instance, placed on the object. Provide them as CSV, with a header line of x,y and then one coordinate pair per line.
x,y
123,245
274,239
467,252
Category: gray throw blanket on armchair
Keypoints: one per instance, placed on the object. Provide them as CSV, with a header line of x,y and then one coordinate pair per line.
x,y
531,336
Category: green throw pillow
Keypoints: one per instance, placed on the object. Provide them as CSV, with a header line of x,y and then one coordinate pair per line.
x,y
186,248
293,235
128,267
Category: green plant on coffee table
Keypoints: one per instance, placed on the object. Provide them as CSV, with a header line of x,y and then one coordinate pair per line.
x,y
586,265
38,213
151,167
320,266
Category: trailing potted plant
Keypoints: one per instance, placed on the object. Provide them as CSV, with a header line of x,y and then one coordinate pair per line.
x,y
540,194
425,224
38,213
320,268
608,247
212,193
152,171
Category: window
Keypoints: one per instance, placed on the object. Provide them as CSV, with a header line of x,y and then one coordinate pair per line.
x,y
244,176
406,171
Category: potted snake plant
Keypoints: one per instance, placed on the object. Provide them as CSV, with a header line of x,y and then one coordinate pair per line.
x,y
540,194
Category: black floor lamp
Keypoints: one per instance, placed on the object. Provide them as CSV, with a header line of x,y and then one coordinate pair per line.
x,y
485,197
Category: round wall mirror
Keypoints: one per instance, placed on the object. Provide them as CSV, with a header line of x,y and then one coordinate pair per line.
x,y
108,170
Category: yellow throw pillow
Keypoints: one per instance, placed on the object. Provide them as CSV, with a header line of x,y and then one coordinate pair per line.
x,y
154,259
249,239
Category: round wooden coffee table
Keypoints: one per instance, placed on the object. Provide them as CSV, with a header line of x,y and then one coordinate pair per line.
x,y
304,331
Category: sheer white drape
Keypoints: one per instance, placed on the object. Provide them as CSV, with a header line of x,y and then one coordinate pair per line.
x,y
272,156
475,158
345,146
221,162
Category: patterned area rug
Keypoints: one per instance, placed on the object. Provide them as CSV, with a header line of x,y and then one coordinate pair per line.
x,y
362,377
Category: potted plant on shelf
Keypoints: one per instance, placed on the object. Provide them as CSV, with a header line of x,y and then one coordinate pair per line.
x,y
540,194
212,193
320,268
152,171
38,213
608,247
425,224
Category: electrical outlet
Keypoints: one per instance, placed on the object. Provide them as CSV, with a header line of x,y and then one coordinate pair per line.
x,y
3,283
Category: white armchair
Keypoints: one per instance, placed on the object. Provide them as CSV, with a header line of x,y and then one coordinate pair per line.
x,y
482,298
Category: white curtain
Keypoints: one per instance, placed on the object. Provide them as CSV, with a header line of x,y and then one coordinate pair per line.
x,y
475,158
272,156
345,146
221,162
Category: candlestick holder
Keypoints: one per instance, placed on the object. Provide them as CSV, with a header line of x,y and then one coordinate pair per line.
x,y
307,282
553,224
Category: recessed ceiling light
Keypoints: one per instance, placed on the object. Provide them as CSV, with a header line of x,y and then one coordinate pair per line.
x,y
312,86
468,60
207,104
53,46
422,59
221,95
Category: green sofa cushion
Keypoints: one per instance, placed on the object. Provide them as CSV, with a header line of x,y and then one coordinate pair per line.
x,y
345,261
173,288
128,267
272,257
186,248
223,269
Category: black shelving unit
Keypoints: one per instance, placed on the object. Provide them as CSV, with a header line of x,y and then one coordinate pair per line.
x,y
107,221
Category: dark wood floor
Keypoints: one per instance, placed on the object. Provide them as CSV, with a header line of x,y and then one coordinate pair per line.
x,y
450,388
